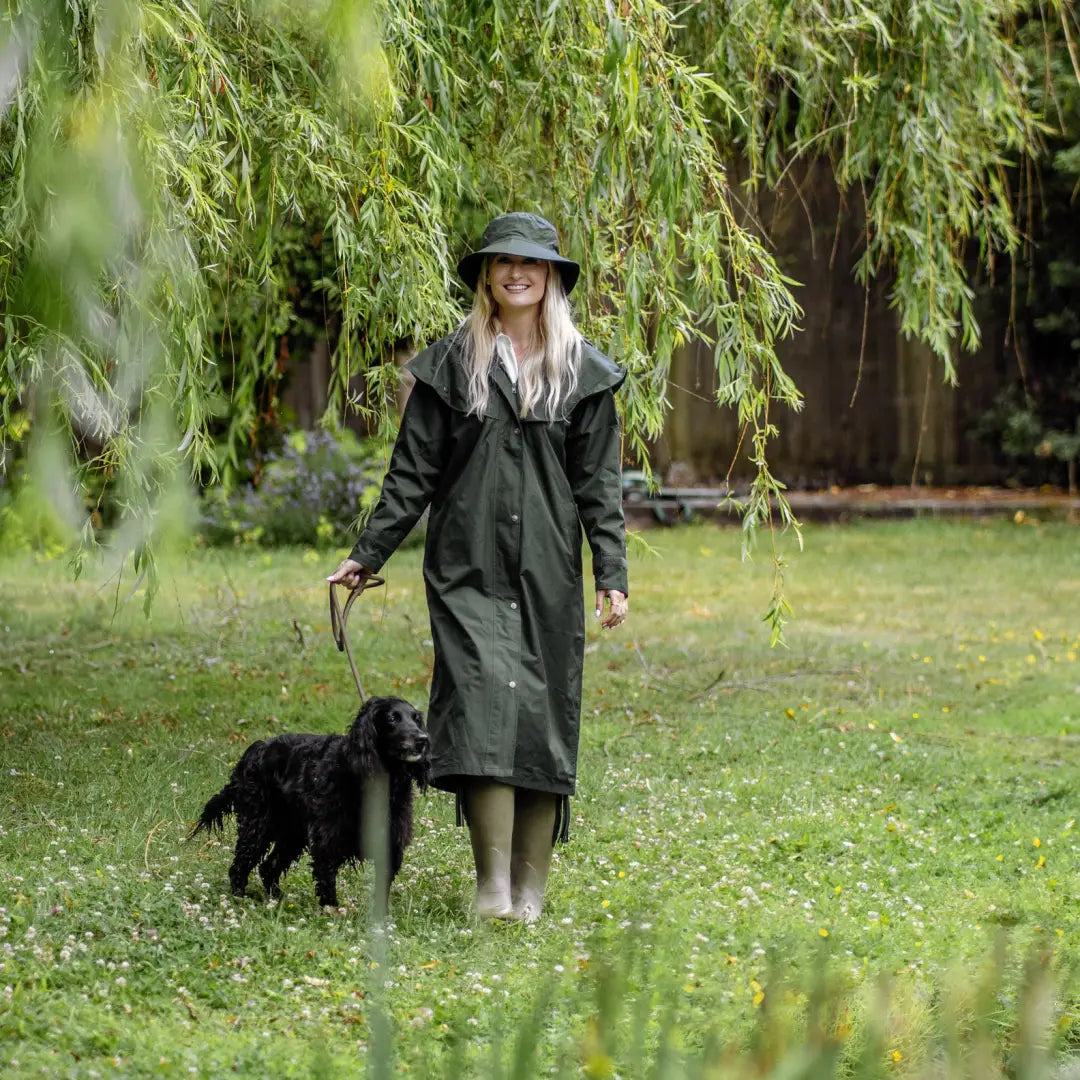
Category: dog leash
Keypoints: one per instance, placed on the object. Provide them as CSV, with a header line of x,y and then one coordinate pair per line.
x,y
339,617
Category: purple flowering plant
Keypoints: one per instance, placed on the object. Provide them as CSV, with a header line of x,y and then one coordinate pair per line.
x,y
314,488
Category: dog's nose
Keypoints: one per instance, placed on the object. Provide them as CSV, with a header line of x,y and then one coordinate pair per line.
x,y
422,739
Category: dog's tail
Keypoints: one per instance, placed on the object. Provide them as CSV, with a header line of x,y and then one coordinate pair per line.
x,y
215,811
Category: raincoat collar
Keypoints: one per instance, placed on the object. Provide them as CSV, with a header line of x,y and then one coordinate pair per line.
x,y
442,367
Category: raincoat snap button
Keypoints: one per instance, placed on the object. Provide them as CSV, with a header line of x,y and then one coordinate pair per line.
x,y
512,684
513,517
513,605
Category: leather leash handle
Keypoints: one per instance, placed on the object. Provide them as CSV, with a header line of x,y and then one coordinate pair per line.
x,y
339,618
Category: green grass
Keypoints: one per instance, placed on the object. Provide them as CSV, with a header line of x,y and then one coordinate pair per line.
x,y
882,798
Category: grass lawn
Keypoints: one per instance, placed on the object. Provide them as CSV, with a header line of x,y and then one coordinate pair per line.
x,y
894,794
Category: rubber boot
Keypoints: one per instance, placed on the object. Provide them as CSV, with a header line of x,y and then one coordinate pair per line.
x,y
489,809
530,852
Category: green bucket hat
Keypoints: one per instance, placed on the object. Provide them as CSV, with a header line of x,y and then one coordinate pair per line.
x,y
520,234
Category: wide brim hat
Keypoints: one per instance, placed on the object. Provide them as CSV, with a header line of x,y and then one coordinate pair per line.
x,y
518,233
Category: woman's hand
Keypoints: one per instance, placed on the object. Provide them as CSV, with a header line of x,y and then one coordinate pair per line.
x,y
619,607
350,574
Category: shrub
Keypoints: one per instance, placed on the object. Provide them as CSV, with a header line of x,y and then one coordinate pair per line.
x,y
29,523
311,490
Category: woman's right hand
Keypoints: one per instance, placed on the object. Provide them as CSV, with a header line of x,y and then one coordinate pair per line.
x,y
350,574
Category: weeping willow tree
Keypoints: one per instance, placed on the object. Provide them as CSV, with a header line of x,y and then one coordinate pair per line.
x,y
162,161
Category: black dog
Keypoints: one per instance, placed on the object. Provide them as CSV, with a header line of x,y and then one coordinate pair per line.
x,y
297,791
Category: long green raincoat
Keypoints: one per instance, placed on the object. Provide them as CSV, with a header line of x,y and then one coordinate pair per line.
x,y
502,566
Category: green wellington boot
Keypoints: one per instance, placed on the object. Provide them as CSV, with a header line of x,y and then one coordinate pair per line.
x,y
489,811
530,852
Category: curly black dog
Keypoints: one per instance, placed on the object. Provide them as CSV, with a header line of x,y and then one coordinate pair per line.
x,y
307,791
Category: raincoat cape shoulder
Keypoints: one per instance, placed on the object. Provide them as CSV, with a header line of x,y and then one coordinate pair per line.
x,y
441,366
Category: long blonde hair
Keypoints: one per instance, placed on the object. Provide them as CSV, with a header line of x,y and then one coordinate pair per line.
x,y
548,371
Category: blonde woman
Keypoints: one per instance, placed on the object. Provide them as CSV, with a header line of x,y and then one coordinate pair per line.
x,y
511,436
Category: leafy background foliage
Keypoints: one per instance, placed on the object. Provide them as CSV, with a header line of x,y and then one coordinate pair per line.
x,y
1036,418
186,185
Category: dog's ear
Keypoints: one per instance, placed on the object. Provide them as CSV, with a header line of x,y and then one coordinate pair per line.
x,y
363,749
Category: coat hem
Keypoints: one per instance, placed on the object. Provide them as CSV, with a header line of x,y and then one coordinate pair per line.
x,y
452,782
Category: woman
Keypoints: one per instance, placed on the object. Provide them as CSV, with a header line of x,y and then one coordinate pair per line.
x,y
511,435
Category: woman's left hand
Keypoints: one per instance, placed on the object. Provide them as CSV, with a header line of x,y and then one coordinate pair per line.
x,y
349,573
620,605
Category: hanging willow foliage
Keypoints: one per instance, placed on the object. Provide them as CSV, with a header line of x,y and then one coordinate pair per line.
x,y
162,162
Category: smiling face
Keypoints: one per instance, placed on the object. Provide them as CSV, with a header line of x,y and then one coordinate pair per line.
x,y
517,282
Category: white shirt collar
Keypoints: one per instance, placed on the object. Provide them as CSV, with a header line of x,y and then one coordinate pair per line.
x,y
504,349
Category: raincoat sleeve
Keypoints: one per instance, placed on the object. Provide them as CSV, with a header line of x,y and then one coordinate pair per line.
x,y
593,456
411,480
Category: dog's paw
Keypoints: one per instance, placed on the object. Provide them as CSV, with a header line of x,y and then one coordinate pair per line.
x,y
330,909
